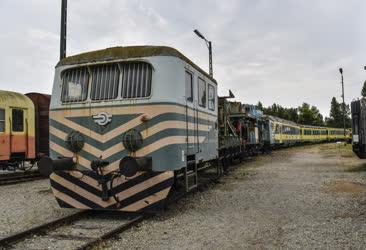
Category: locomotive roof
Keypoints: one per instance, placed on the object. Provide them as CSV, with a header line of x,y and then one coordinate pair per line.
x,y
127,52
9,98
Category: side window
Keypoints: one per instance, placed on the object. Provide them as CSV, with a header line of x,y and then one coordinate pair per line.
x,y
75,85
2,120
211,97
189,86
17,120
278,129
201,92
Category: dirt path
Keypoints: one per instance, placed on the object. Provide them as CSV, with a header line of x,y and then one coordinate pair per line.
x,y
306,197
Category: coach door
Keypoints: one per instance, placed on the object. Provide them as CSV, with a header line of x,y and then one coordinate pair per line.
x,y
191,117
18,135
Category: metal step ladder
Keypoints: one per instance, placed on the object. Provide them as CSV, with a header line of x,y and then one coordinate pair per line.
x,y
191,175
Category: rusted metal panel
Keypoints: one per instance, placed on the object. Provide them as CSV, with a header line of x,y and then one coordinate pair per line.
x,y
42,105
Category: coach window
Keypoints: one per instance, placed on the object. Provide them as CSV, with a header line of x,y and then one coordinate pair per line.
x,y
201,93
211,97
189,86
2,120
278,130
17,120
75,85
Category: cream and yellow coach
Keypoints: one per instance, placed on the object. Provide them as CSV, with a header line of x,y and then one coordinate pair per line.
x,y
125,124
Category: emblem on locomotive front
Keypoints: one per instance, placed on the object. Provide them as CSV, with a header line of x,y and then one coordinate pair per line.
x,y
102,118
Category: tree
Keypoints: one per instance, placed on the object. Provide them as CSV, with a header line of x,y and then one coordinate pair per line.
x,y
363,91
310,115
336,115
260,106
348,115
281,112
317,117
305,114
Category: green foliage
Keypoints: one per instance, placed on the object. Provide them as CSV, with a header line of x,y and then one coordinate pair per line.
x,y
363,91
336,115
260,106
310,115
279,111
306,114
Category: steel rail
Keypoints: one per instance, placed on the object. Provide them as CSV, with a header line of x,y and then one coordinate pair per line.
x,y
16,237
9,179
43,229
111,233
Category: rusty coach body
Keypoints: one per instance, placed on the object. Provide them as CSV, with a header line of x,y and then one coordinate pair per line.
x,y
124,122
41,110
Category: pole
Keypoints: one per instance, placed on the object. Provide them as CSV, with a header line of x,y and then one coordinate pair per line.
x,y
63,29
210,57
344,109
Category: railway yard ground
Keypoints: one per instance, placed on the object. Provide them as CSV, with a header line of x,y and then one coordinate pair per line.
x,y
303,197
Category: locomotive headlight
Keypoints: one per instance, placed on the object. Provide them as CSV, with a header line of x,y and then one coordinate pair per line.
x,y
132,140
75,141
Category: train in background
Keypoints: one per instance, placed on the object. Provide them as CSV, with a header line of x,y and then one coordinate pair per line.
x,y
280,132
23,129
132,126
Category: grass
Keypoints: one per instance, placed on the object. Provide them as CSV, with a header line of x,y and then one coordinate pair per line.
x,y
341,149
358,168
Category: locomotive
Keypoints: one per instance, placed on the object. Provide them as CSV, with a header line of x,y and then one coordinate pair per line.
x,y
23,129
358,113
131,125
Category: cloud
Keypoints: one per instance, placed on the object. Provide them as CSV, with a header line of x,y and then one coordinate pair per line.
x,y
280,51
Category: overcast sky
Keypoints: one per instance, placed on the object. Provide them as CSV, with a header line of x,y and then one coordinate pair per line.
x,y
282,51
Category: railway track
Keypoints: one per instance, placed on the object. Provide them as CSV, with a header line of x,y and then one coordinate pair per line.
x,y
82,230
9,179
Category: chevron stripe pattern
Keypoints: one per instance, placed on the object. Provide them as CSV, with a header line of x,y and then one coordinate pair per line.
x,y
164,135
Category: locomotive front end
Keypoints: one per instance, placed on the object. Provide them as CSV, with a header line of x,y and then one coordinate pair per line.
x,y
114,140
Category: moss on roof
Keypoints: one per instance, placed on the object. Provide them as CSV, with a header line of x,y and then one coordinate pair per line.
x,y
116,53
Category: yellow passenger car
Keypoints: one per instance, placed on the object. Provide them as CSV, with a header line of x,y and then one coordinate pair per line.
x,y
313,134
17,128
335,134
283,132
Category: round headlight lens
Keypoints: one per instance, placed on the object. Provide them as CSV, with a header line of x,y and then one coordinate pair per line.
x,y
75,141
132,140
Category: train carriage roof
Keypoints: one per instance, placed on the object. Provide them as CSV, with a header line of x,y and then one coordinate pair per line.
x,y
116,53
280,120
312,127
14,99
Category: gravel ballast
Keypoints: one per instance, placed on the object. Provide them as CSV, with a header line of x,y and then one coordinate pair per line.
x,y
306,197
27,204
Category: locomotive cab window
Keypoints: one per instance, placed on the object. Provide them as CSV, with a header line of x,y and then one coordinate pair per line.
x,y
75,85
136,80
211,97
189,86
201,93
105,79
2,120
17,120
